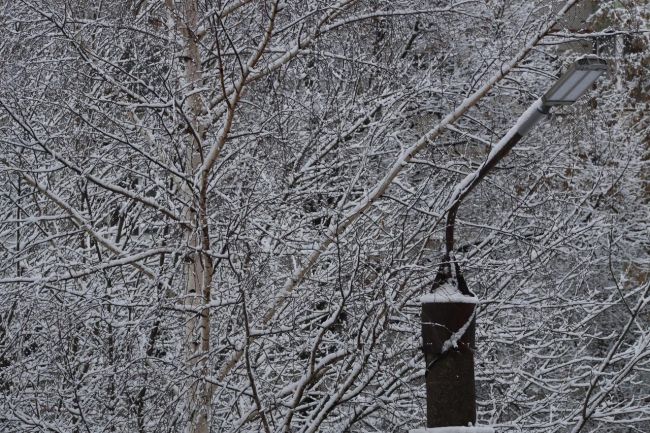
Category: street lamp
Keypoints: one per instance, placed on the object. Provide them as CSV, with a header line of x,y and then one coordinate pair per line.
x,y
448,313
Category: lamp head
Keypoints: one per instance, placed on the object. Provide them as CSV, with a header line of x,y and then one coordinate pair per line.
x,y
575,81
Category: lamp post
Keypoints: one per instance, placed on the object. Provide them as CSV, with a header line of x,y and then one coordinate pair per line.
x,y
448,313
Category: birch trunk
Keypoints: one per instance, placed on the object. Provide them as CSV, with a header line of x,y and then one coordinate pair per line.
x,y
199,266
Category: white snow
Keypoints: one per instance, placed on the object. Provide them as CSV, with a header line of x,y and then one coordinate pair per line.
x,y
456,336
447,294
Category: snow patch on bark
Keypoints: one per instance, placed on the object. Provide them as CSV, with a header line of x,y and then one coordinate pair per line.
x,y
456,336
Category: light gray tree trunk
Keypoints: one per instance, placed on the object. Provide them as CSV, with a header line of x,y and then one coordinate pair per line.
x,y
199,266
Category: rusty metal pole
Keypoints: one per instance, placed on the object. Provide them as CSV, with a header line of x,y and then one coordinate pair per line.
x,y
448,334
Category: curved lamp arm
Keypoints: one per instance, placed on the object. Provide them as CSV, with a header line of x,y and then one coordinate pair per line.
x,y
568,88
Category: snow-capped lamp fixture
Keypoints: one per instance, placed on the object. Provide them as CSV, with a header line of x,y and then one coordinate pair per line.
x,y
575,81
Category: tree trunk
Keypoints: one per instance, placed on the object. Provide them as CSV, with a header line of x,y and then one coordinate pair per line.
x,y
198,268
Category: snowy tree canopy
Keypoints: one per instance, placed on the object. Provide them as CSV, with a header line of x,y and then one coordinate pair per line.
x,y
221,215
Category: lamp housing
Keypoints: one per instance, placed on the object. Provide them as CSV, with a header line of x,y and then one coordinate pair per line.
x,y
575,81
